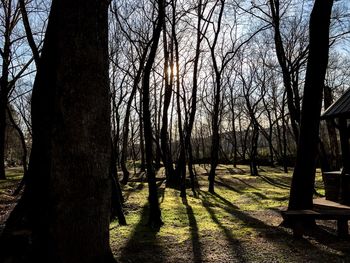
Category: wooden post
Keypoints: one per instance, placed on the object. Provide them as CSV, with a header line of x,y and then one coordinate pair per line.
x,y
344,141
342,227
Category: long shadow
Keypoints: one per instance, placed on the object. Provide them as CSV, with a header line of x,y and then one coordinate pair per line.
x,y
234,170
138,185
274,182
271,232
196,245
225,183
244,182
142,245
234,243
221,183
134,187
258,194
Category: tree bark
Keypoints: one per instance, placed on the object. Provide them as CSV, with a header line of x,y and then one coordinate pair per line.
x,y
3,104
189,126
303,180
4,90
154,219
292,95
127,118
164,135
215,139
67,198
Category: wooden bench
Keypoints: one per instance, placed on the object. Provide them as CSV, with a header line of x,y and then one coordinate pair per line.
x,y
322,210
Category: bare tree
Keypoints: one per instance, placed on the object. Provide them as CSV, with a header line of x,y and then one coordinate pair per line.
x,y
154,219
301,193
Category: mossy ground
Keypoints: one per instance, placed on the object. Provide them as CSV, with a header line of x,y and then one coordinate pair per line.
x,y
239,223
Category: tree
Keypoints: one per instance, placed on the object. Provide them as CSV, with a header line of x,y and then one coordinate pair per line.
x,y
11,70
67,197
168,81
301,193
215,139
155,214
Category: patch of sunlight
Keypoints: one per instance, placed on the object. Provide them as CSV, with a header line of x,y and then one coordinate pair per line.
x,y
13,176
229,211
15,173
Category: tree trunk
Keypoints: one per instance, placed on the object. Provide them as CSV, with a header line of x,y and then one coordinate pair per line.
x,y
127,119
3,104
154,219
215,139
254,150
142,139
4,91
284,137
117,195
164,136
189,126
68,195
181,163
304,173
292,95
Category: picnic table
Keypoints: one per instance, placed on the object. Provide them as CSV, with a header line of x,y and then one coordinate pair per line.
x,y
322,210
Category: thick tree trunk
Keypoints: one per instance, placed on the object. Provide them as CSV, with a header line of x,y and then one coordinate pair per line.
x,y
304,173
68,194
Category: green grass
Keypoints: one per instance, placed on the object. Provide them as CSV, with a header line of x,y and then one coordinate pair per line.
x,y
13,176
243,212
239,223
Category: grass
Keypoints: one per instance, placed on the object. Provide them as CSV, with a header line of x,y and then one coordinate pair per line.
x,y
239,223
13,176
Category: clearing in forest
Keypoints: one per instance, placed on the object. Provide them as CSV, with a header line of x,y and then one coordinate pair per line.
x,y
239,223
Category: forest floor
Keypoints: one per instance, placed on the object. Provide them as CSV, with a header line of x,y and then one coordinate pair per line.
x,y
239,223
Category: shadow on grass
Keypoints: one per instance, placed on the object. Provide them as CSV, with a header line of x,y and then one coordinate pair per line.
x,y
143,244
236,170
133,187
274,182
259,196
226,185
277,235
240,189
245,183
236,247
196,245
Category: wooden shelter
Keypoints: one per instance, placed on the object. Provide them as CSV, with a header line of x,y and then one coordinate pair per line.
x,y
339,111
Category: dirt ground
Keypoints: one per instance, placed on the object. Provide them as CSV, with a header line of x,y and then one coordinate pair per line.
x,y
239,223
